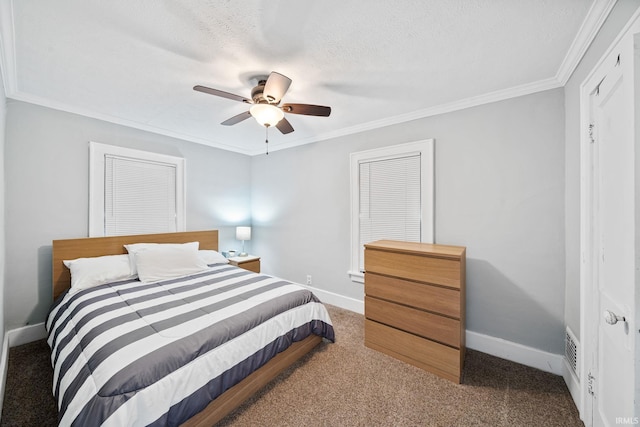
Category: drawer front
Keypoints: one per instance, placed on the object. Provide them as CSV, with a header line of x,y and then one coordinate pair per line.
x,y
428,325
439,271
420,295
250,265
425,354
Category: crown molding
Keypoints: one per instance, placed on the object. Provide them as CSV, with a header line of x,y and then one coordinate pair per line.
x,y
488,98
48,103
592,23
475,101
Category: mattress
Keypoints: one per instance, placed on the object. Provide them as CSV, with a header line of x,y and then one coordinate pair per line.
x,y
128,353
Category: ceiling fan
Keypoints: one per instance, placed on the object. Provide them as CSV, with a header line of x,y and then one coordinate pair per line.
x,y
265,100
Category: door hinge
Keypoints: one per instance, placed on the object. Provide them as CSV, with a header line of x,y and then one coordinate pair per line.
x,y
591,132
596,92
591,384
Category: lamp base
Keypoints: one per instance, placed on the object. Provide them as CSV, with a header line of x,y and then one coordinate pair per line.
x,y
243,254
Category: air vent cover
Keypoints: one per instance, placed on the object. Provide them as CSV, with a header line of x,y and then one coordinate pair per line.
x,y
571,351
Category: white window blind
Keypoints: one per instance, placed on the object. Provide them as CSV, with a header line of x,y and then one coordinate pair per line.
x,y
140,196
392,197
389,200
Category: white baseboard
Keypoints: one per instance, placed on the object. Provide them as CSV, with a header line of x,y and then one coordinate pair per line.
x,y
504,349
573,384
548,362
4,364
338,300
26,334
498,347
12,338
529,356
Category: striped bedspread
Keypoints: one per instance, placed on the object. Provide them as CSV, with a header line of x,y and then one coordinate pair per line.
x,y
129,353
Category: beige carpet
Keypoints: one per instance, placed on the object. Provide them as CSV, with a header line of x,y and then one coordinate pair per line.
x,y
347,384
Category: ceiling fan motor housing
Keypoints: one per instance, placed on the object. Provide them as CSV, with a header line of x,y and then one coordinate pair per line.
x,y
257,94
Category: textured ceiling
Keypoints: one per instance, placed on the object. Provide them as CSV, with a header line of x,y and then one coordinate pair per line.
x,y
374,62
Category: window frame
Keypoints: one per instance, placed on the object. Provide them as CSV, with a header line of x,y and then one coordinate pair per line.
x,y
427,180
97,154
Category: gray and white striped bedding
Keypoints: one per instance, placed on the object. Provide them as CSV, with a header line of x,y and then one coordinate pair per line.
x,y
129,353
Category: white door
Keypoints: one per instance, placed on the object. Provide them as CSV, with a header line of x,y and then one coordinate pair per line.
x,y
611,378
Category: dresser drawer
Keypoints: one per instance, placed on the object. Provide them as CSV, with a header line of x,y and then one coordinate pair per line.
x,y
438,328
425,354
420,295
439,271
251,266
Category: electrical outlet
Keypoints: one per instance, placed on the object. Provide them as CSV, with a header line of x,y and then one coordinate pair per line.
x,y
308,279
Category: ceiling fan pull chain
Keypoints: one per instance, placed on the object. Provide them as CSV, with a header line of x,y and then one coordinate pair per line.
x,y
266,133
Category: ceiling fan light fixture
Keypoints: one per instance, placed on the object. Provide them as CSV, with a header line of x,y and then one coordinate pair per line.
x,y
266,114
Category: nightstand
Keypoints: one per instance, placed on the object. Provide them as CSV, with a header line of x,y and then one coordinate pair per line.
x,y
249,262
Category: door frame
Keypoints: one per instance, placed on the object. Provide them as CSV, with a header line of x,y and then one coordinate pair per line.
x,y
588,242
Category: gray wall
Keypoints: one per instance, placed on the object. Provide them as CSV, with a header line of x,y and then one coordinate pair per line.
x,y
499,192
3,121
47,193
616,21
505,179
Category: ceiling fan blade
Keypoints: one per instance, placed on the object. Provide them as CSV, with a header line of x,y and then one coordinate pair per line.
x,y
221,93
307,109
275,87
236,119
284,126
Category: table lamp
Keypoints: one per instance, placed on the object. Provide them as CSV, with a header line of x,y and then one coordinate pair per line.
x,y
243,233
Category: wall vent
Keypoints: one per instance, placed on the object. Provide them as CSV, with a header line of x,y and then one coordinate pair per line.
x,y
571,351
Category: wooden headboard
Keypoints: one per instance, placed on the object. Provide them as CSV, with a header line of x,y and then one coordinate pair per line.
x,y
114,245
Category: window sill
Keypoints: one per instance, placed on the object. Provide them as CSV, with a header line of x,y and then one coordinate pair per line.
x,y
356,276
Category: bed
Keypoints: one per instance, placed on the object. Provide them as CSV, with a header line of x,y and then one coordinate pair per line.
x,y
183,350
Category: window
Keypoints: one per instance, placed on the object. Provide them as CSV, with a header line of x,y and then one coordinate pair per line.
x,y
134,192
391,197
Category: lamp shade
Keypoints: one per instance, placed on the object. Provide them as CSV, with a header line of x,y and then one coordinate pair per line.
x,y
243,233
266,114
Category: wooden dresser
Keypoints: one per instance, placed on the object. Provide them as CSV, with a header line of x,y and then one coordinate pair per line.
x,y
415,304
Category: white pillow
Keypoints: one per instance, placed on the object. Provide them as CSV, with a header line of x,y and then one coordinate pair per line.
x,y
89,272
212,257
166,262
134,248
